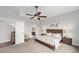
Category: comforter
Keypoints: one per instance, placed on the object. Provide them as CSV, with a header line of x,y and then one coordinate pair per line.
x,y
50,40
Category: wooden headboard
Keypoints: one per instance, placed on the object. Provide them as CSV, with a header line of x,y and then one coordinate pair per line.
x,y
60,31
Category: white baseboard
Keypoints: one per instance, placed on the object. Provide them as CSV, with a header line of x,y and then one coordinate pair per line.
x,y
75,44
4,41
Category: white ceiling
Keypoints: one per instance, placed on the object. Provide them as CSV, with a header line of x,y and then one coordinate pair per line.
x,y
11,12
49,11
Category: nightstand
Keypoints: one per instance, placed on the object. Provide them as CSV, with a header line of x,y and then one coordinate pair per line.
x,y
67,40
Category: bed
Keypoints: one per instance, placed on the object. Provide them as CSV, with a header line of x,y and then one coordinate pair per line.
x,y
52,39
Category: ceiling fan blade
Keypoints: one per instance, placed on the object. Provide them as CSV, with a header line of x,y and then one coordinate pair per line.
x,y
32,17
30,14
43,16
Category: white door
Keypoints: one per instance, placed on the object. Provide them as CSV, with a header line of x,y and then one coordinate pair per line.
x,y
19,30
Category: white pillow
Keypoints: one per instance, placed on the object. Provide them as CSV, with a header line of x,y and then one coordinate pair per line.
x,y
49,34
56,35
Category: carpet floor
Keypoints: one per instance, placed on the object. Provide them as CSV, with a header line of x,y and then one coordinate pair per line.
x,y
31,46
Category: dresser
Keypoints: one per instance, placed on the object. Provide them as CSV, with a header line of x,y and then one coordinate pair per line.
x,y
67,40
13,37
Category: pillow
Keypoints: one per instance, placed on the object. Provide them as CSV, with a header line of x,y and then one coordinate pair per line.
x,y
43,34
49,34
56,35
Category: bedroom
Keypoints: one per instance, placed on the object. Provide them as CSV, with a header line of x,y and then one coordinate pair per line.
x,y
62,18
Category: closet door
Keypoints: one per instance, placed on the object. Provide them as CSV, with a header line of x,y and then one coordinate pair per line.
x,y
19,29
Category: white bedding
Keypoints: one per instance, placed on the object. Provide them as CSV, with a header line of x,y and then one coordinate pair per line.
x,y
50,40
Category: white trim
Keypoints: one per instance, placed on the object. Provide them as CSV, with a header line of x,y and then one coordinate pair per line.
x,y
75,44
4,41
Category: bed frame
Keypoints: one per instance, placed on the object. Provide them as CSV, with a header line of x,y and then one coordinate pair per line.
x,y
54,31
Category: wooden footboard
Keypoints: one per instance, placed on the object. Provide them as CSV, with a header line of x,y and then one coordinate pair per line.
x,y
46,44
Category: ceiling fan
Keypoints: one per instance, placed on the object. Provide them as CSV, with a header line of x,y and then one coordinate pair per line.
x,y
37,14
